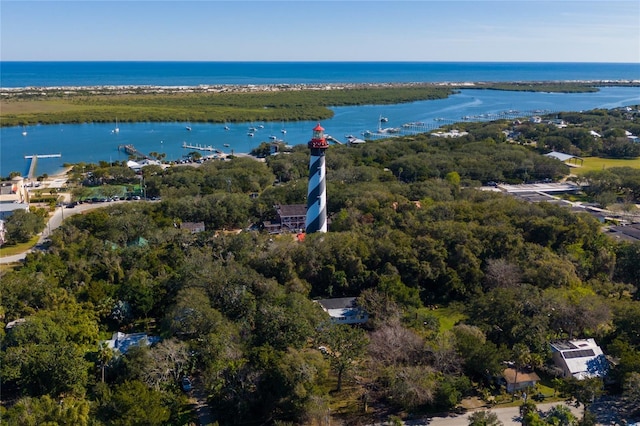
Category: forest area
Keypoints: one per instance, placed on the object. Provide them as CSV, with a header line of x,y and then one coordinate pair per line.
x,y
457,282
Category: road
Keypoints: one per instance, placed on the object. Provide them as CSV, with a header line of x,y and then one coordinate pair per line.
x,y
508,416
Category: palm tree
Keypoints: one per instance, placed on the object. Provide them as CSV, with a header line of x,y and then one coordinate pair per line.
x,y
521,358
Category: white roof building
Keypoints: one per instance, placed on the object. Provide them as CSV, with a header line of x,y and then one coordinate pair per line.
x,y
121,342
581,359
344,310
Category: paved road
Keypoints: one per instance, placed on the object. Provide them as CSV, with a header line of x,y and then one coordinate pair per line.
x,y
508,416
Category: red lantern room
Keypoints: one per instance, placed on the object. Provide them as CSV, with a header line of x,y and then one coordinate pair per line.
x,y
318,140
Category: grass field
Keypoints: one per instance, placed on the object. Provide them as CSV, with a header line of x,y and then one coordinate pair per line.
x,y
18,248
598,163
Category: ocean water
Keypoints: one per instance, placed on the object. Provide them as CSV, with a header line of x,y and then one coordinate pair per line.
x,y
38,74
95,142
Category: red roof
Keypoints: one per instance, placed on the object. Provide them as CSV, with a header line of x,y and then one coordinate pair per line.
x,y
318,128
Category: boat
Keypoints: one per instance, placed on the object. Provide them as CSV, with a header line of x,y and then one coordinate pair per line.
x,y
226,127
24,131
383,119
252,129
188,128
353,140
116,129
250,134
273,137
284,132
226,145
261,126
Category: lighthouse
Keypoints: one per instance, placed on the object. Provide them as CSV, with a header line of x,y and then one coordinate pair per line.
x,y
317,192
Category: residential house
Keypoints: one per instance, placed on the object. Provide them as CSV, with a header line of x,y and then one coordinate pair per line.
x,y
344,310
581,359
193,227
290,218
13,196
121,342
523,380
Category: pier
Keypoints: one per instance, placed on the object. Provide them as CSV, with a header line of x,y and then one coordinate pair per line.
x,y
131,150
34,162
200,147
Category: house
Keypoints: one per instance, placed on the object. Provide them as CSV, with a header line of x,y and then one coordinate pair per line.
x,y
581,359
291,218
344,310
193,227
7,209
14,191
523,380
121,342
3,232
564,157
13,196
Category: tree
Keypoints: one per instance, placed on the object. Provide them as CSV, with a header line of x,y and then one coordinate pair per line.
x,y
48,411
586,391
345,346
561,415
521,358
22,225
132,403
105,354
484,418
631,394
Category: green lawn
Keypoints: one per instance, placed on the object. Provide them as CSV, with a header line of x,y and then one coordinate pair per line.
x,y
18,248
447,316
598,163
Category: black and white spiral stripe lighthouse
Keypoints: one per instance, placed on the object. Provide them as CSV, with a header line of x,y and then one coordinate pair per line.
x,y
317,191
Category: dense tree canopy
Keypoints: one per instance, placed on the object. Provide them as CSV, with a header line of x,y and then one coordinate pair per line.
x,y
409,232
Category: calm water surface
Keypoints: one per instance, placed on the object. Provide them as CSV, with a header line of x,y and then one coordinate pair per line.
x,y
95,142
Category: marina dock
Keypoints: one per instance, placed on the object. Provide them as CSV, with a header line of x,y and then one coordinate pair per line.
x,y
199,147
34,162
131,150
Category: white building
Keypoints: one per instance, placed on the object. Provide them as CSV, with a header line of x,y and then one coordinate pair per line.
x,y
344,310
581,359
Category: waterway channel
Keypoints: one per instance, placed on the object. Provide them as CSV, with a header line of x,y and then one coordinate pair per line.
x,y
92,142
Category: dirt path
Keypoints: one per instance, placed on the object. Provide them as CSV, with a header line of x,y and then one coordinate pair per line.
x,y
201,407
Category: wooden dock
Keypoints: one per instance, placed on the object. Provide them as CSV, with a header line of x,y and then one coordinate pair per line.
x,y
34,161
131,150
199,147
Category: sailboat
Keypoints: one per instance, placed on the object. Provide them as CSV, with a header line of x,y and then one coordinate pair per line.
x,y
116,129
24,131
284,131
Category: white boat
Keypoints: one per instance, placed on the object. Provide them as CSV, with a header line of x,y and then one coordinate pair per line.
x,y
24,131
188,128
284,132
250,134
227,145
353,140
383,119
273,137
226,127
116,129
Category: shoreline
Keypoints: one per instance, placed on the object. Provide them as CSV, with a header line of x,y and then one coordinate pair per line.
x,y
278,87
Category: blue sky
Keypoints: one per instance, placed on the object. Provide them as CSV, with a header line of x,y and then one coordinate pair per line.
x,y
302,30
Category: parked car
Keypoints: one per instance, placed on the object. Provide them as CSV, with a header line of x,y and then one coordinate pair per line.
x,y
186,384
